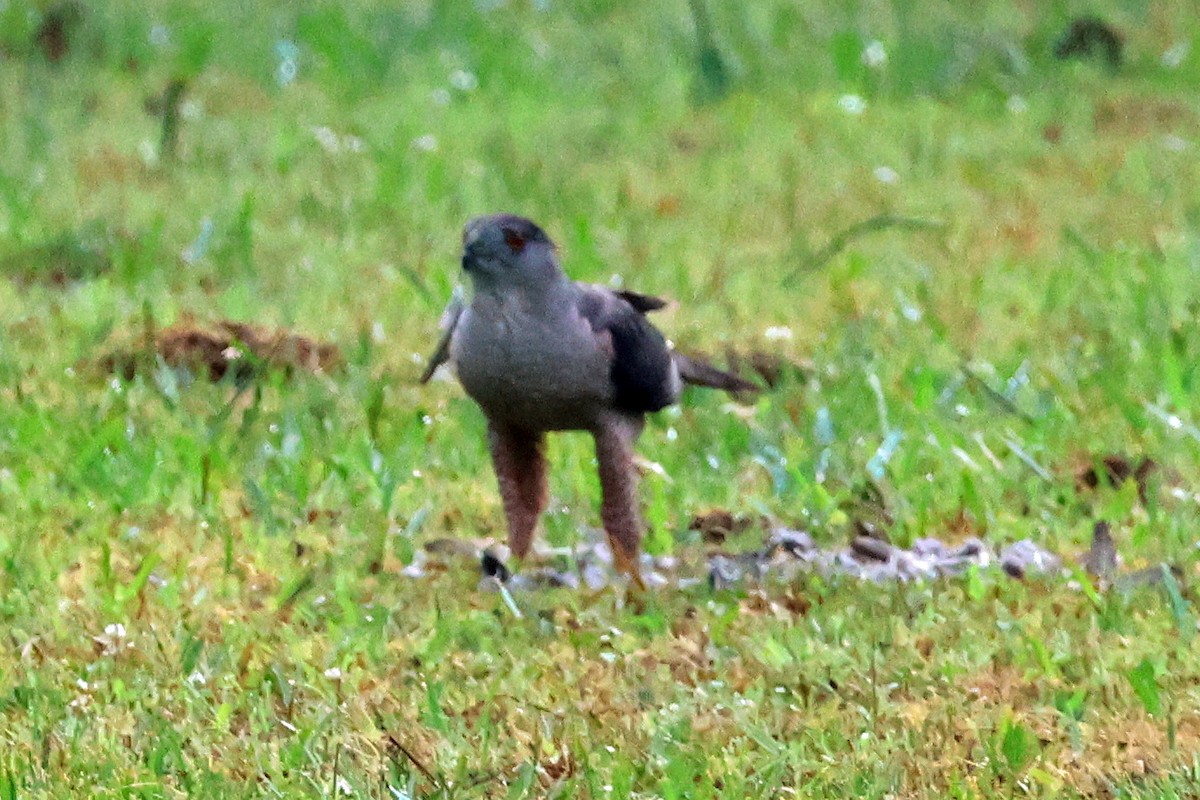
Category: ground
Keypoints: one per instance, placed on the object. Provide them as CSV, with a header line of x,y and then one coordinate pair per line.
x,y
967,241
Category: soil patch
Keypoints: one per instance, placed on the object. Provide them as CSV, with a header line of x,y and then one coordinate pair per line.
x,y
226,348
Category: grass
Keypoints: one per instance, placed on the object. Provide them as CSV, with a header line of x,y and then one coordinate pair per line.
x,y
201,586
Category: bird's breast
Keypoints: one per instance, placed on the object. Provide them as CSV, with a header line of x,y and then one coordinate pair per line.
x,y
542,372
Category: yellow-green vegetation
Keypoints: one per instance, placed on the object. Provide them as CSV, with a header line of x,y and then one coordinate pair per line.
x,y
201,588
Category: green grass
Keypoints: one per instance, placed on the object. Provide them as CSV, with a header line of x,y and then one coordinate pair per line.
x,y
200,587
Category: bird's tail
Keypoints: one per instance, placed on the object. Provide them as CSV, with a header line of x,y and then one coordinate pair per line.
x,y
700,373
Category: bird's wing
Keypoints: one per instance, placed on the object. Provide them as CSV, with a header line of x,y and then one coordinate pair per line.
x,y
448,323
630,308
643,375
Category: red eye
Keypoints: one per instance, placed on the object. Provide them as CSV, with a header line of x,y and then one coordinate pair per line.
x,y
514,240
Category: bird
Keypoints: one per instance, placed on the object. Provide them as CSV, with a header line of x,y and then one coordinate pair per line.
x,y
539,353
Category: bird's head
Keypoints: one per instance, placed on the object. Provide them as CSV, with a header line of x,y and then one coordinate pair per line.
x,y
502,250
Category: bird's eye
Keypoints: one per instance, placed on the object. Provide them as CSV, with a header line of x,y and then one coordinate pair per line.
x,y
515,241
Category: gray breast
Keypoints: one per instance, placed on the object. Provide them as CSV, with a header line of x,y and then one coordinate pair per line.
x,y
536,371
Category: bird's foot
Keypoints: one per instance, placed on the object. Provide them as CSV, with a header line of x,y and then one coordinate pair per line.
x,y
628,565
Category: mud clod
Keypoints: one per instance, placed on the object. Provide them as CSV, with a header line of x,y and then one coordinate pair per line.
x,y
58,29
1114,470
1091,37
772,368
717,525
236,349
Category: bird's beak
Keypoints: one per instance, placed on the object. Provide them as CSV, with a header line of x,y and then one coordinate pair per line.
x,y
470,258
470,239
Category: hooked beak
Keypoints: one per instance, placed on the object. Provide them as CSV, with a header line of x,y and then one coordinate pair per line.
x,y
470,248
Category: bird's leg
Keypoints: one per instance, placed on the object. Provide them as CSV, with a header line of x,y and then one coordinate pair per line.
x,y
618,485
520,466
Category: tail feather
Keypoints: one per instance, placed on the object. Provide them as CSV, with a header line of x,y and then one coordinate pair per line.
x,y
700,373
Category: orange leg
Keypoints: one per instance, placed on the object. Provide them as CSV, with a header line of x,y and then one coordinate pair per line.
x,y
618,485
519,459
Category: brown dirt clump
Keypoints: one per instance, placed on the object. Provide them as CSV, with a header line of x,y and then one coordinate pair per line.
x,y
1114,470
718,524
227,348
59,26
772,368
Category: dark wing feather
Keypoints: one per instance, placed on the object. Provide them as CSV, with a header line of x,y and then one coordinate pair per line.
x,y
643,374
